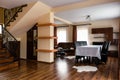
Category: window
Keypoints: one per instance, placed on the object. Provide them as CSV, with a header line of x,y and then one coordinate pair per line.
x,y
82,33
0,29
61,34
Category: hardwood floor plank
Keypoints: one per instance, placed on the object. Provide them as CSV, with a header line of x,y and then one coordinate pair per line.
x,y
62,69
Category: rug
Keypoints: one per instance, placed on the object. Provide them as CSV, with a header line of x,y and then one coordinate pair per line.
x,y
85,68
70,57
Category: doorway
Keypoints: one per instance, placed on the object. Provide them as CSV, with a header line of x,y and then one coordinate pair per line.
x,y
32,43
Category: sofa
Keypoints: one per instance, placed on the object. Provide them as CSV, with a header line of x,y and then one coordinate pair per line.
x,y
66,48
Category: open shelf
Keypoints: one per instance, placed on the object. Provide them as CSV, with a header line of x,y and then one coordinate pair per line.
x,y
46,50
116,32
99,37
46,25
46,37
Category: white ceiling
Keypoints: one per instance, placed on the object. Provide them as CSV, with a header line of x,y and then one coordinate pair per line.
x,y
97,12
104,11
52,3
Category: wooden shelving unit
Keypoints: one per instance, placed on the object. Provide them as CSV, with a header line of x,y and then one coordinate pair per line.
x,y
47,37
108,32
46,25
115,32
99,37
46,50
115,38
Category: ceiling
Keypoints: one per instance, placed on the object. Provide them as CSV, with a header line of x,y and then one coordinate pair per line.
x,y
98,12
104,10
52,3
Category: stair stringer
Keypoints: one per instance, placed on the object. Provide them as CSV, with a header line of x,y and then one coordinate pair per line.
x,y
29,17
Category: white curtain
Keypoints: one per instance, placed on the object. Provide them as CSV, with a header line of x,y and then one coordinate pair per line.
x,y
62,34
82,33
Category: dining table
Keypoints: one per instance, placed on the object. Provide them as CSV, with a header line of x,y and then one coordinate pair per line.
x,y
89,50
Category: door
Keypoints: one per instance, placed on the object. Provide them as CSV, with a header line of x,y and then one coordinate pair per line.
x,y
32,43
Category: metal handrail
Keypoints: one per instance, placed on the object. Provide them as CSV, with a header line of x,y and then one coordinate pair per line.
x,y
13,17
4,29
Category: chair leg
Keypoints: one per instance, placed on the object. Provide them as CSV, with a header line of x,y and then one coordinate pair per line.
x,y
104,58
76,59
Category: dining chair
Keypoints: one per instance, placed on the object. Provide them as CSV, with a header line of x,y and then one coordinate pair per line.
x,y
80,58
104,51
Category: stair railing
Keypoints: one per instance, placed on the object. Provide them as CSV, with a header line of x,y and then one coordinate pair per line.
x,y
9,41
13,17
11,44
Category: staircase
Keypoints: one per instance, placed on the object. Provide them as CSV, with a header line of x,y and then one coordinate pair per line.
x,y
9,53
18,24
6,59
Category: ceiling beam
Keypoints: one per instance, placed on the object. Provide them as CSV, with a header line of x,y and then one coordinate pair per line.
x,y
82,4
74,24
62,20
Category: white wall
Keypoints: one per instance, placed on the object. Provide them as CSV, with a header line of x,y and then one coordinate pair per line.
x,y
70,34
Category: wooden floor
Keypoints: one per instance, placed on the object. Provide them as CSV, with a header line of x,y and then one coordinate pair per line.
x,y
60,70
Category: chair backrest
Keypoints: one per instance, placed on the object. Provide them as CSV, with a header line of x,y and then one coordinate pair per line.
x,y
105,47
80,43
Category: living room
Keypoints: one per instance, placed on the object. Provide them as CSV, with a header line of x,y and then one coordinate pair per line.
x,y
59,68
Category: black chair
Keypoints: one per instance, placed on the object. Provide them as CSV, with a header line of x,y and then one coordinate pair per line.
x,y
80,43
104,51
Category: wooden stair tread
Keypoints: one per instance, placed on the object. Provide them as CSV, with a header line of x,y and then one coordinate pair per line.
x,y
3,51
4,55
6,60
1,58
7,66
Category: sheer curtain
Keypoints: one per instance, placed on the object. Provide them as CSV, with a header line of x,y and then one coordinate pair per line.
x,y
61,34
82,33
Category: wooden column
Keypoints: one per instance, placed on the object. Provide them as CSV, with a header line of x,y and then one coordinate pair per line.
x,y
46,38
1,15
55,34
119,53
74,33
